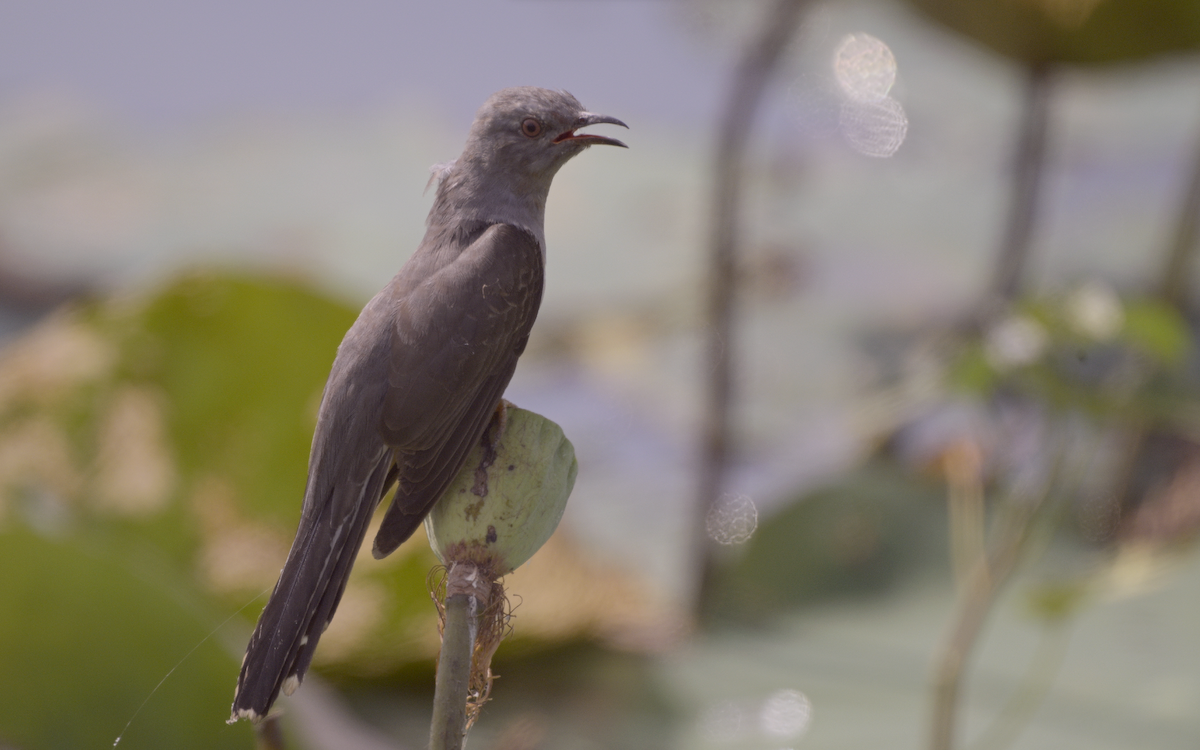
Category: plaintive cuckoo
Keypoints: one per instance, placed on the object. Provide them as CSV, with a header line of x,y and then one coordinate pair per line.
x,y
420,373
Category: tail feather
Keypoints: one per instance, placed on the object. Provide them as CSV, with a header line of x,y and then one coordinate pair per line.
x,y
323,613
310,587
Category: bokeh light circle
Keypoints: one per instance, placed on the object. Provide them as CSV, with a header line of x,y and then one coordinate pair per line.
x,y
732,520
864,67
874,128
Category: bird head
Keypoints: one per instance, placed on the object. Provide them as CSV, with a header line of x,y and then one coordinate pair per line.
x,y
533,131
519,140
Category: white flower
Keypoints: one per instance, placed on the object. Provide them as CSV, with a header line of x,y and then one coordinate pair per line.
x,y
1015,341
1094,310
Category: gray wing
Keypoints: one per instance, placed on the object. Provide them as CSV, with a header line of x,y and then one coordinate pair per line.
x,y
455,345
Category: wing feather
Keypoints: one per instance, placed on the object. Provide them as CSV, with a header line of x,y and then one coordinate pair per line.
x,y
454,350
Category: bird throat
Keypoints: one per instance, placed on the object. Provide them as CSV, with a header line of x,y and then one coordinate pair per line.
x,y
469,194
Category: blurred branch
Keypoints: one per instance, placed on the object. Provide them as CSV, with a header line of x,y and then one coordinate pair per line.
x,y
750,79
976,600
1176,275
974,605
269,735
322,717
966,510
1028,165
1174,289
1018,712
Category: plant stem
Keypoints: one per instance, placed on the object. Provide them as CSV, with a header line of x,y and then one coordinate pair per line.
x,y
966,510
759,60
976,602
1026,188
1174,285
978,596
448,729
269,735
1030,693
1174,288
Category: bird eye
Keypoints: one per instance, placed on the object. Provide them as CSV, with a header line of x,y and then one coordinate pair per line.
x,y
531,127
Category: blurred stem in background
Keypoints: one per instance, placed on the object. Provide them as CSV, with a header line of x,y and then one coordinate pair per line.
x,y
981,573
967,511
1015,519
754,70
1174,288
269,735
1028,165
1028,697
1174,285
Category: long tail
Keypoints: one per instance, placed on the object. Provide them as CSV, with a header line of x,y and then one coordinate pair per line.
x,y
309,589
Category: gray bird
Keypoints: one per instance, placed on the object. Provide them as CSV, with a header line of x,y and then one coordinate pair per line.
x,y
420,373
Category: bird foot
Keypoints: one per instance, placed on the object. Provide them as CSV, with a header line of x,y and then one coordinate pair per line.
x,y
496,426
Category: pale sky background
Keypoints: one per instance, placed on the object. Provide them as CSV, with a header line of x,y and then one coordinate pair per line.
x,y
170,64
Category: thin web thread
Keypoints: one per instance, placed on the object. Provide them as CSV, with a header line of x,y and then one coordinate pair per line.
x,y
181,661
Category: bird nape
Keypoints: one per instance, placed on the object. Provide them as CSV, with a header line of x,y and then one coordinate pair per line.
x,y
420,373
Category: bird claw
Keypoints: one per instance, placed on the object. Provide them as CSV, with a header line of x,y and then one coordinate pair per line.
x,y
499,421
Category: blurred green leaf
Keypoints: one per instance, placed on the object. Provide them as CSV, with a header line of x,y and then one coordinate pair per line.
x,y
1086,32
971,372
859,535
86,634
1057,601
242,361
1157,329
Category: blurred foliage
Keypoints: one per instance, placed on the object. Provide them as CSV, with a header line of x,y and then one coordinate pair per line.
x,y
859,535
1086,32
250,351
1058,600
152,462
1090,352
88,630
153,454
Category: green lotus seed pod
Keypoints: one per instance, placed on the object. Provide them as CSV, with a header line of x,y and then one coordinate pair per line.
x,y
507,500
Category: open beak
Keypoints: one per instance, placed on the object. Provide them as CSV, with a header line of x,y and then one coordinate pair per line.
x,y
588,139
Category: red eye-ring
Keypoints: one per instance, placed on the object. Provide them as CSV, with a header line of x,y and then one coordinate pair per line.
x,y
531,127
